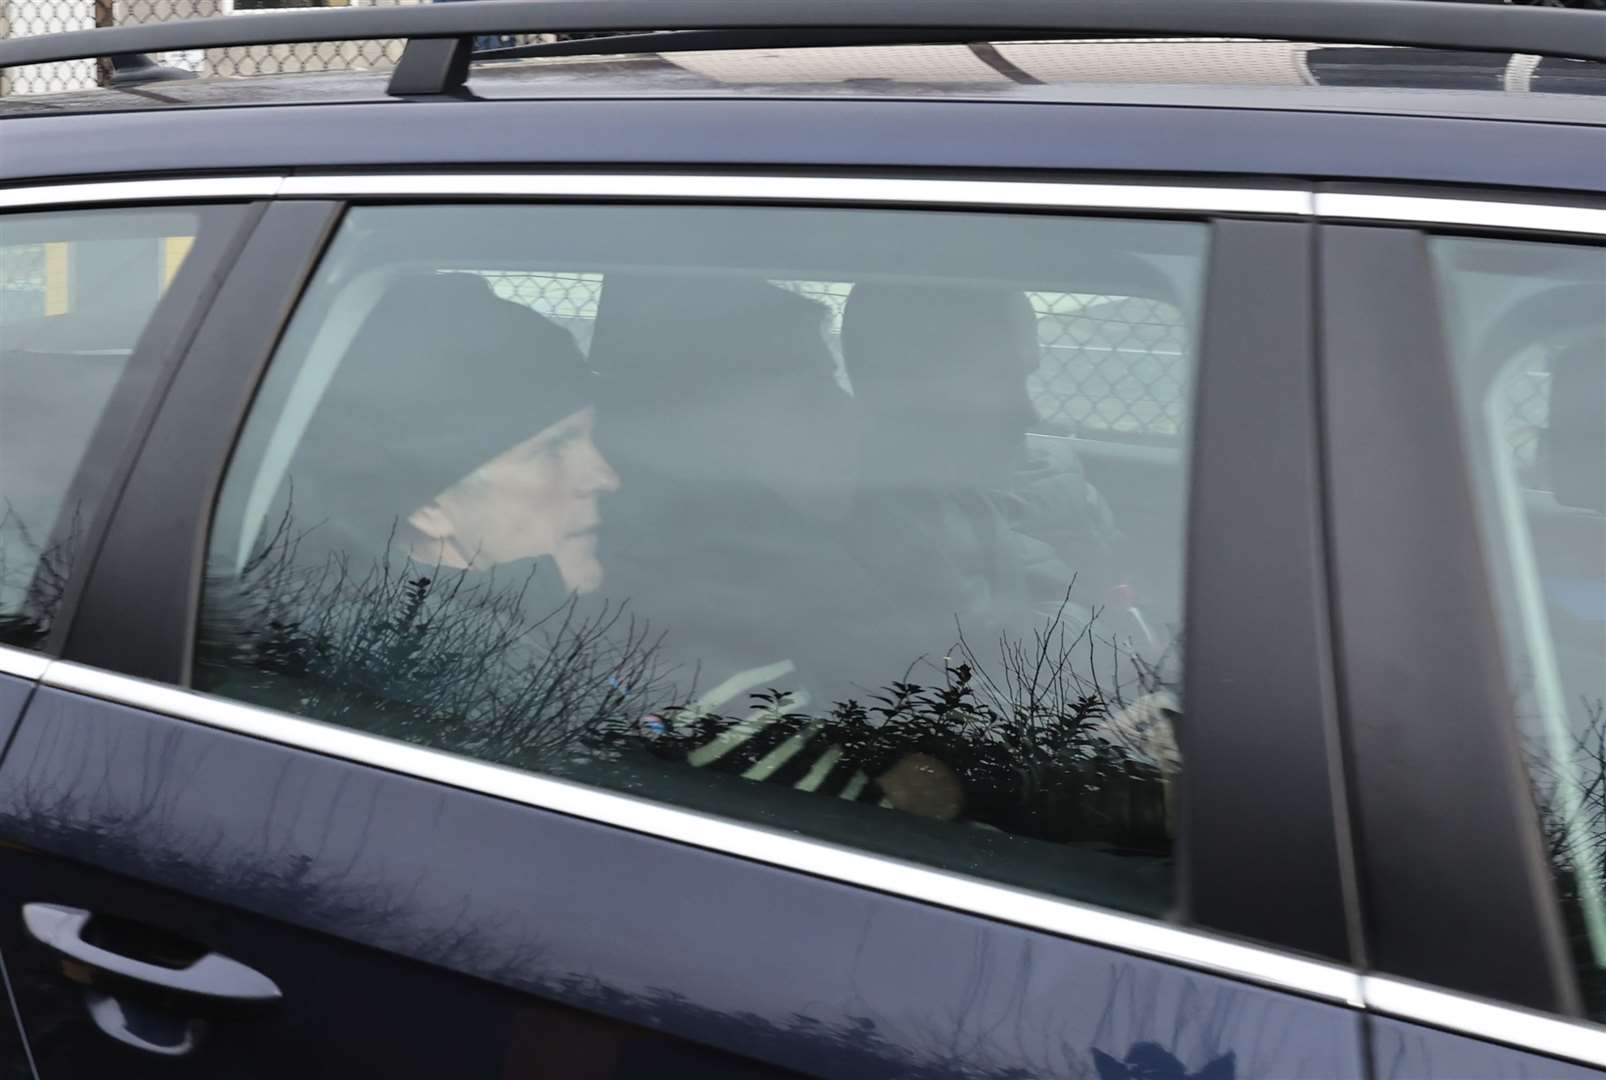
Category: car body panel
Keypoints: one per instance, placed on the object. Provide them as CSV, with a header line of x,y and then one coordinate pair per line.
x,y
767,964
1402,1051
14,694
715,133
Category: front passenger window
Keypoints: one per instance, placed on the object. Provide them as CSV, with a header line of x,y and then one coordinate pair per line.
x,y
745,509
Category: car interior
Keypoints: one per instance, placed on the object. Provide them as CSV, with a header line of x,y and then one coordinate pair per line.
x,y
766,508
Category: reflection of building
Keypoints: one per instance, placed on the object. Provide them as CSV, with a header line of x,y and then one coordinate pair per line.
x,y
1159,62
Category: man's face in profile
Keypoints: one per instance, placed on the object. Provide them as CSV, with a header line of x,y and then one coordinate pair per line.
x,y
539,497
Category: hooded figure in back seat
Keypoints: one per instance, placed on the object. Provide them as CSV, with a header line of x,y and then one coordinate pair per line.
x,y
738,452
983,532
962,513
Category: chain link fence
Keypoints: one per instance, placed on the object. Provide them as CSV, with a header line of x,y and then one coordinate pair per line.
x,y
1113,367
24,18
1522,395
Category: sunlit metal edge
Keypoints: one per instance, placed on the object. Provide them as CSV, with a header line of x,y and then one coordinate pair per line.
x,y
117,191
1128,933
991,193
1172,198
1475,213
1485,1020
21,663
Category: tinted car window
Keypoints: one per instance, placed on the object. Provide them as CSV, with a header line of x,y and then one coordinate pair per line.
x,y
1529,335
77,289
787,541
1111,366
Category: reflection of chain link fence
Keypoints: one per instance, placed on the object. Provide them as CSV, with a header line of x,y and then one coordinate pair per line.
x,y
1112,366
1523,397
24,18
570,300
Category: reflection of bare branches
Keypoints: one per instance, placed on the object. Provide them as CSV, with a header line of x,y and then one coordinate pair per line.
x,y
33,576
1065,735
430,655
1579,780
282,876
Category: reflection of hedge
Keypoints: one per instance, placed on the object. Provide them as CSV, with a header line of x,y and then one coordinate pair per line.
x,y
1043,750
442,657
453,659
33,577
1586,770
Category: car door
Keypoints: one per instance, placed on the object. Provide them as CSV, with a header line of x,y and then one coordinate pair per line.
x,y
341,822
95,303
1468,352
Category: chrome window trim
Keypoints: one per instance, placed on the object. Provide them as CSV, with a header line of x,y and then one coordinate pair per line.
x,y
1525,217
1186,198
1189,198
22,663
116,191
1544,217
1128,933
1550,1035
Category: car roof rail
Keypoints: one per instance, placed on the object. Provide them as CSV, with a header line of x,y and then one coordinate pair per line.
x,y
440,37
136,69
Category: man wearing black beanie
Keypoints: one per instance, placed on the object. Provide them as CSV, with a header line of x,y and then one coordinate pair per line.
x,y
458,429
436,529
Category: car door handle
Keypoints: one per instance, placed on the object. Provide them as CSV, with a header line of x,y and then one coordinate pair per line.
x,y
212,976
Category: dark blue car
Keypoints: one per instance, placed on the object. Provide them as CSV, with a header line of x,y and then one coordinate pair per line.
x,y
859,539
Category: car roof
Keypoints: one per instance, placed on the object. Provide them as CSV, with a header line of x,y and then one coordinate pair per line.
x,y
821,136
1442,93
1190,72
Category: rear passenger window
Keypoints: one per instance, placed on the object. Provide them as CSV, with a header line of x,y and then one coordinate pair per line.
x,y
77,289
1528,329
795,516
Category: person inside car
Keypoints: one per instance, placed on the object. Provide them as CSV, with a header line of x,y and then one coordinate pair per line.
x,y
941,373
432,569
997,537
737,449
459,429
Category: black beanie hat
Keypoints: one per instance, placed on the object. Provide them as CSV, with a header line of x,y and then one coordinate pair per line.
x,y
705,336
442,376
